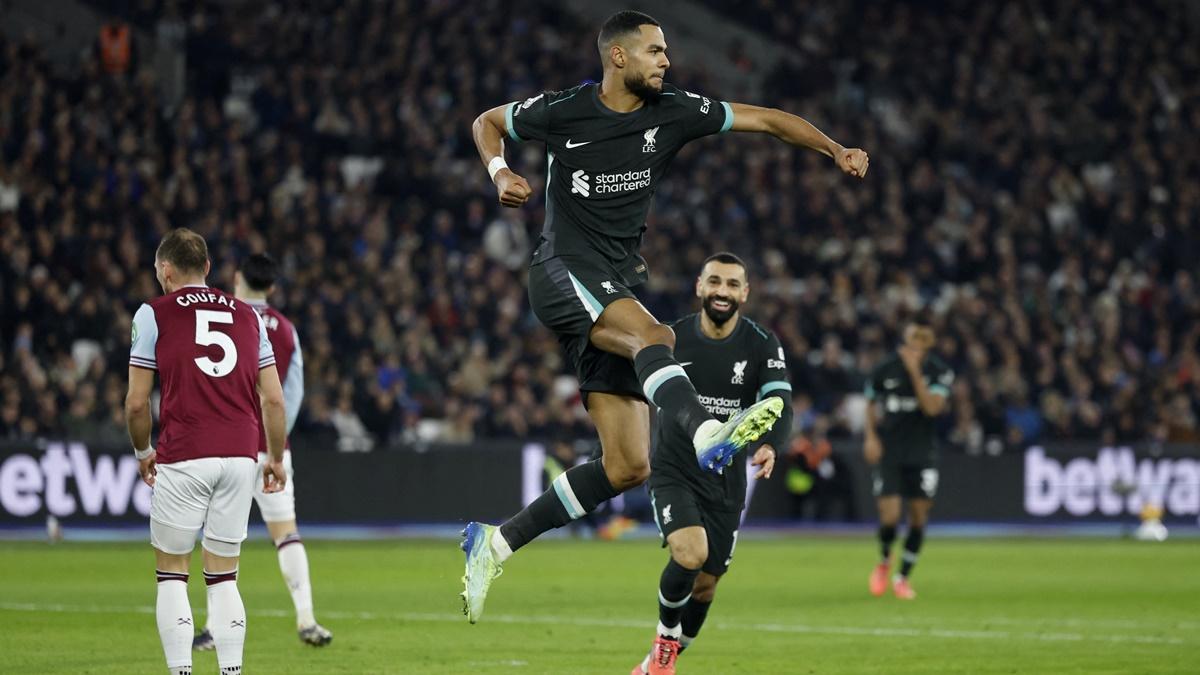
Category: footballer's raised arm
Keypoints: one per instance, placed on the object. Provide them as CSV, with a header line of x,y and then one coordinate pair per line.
x,y
489,130
797,131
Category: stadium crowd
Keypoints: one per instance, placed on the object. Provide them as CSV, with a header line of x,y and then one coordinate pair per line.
x,y
1041,196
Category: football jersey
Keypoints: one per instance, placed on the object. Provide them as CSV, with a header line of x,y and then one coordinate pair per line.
x,y
730,375
909,436
208,348
289,362
602,166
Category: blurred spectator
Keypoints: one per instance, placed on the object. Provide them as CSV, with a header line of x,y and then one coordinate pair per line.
x,y
1035,180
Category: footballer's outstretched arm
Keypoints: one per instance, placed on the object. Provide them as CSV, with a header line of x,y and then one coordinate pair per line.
x,y
795,130
488,131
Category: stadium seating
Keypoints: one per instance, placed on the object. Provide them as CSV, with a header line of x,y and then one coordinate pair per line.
x,y
1058,254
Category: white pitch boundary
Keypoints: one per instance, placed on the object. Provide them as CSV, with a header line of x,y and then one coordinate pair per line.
x,y
879,631
1138,624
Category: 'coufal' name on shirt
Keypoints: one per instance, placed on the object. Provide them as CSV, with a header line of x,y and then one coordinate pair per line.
x,y
195,298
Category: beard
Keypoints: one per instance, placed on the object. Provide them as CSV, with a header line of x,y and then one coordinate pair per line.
x,y
718,316
641,87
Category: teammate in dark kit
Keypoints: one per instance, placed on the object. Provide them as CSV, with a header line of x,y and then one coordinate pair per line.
x,y
733,363
608,146
912,387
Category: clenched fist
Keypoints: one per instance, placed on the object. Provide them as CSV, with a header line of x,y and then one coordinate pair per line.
x,y
512,189
853,161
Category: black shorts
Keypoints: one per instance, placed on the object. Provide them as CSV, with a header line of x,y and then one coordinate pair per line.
x,y
911,481
568,296
676,507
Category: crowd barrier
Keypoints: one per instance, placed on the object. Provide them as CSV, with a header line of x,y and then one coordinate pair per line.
x,y
1070,482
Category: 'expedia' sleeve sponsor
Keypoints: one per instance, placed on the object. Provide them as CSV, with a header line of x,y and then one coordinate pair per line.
x,y
773,381
702,115
529,120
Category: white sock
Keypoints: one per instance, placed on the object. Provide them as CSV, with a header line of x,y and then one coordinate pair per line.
x,y
500,548
672,632
293,562
706,428
227,620
174,616
685,640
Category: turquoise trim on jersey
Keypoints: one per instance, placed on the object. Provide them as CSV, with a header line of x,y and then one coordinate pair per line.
x,y
654,512
759,329
508,123
940,390
728,118
590,303
778,385
869,392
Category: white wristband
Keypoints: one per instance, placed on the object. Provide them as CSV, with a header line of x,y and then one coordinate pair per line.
x,y
495,165
143,454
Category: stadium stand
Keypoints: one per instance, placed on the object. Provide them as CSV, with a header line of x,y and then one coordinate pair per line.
x,y
1049,219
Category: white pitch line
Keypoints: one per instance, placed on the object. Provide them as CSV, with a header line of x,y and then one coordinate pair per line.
x,y
879,631
1138,624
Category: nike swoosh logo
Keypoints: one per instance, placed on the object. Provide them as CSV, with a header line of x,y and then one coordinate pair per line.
x,y
576,145
685,363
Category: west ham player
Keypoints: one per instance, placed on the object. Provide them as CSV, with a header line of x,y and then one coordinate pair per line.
x,y
608,146
912,387
216,369
253,284
733,362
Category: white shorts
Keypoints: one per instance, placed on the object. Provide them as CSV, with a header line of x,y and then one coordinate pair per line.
x,y
211,493
276,507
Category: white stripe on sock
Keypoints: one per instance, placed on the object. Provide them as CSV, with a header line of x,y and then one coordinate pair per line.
x,y
673,605
658,377
566,495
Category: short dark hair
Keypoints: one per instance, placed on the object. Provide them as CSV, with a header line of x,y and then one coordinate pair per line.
x,y
727,258
619,25
184,249
259,271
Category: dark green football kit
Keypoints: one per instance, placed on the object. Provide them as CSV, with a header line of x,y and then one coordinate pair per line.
x,y
729,375
909,466
602,168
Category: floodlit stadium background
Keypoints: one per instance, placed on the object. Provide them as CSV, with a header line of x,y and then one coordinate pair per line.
x,y
1035,180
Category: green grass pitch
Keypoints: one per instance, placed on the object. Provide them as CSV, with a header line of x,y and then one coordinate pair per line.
x,y
795,605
